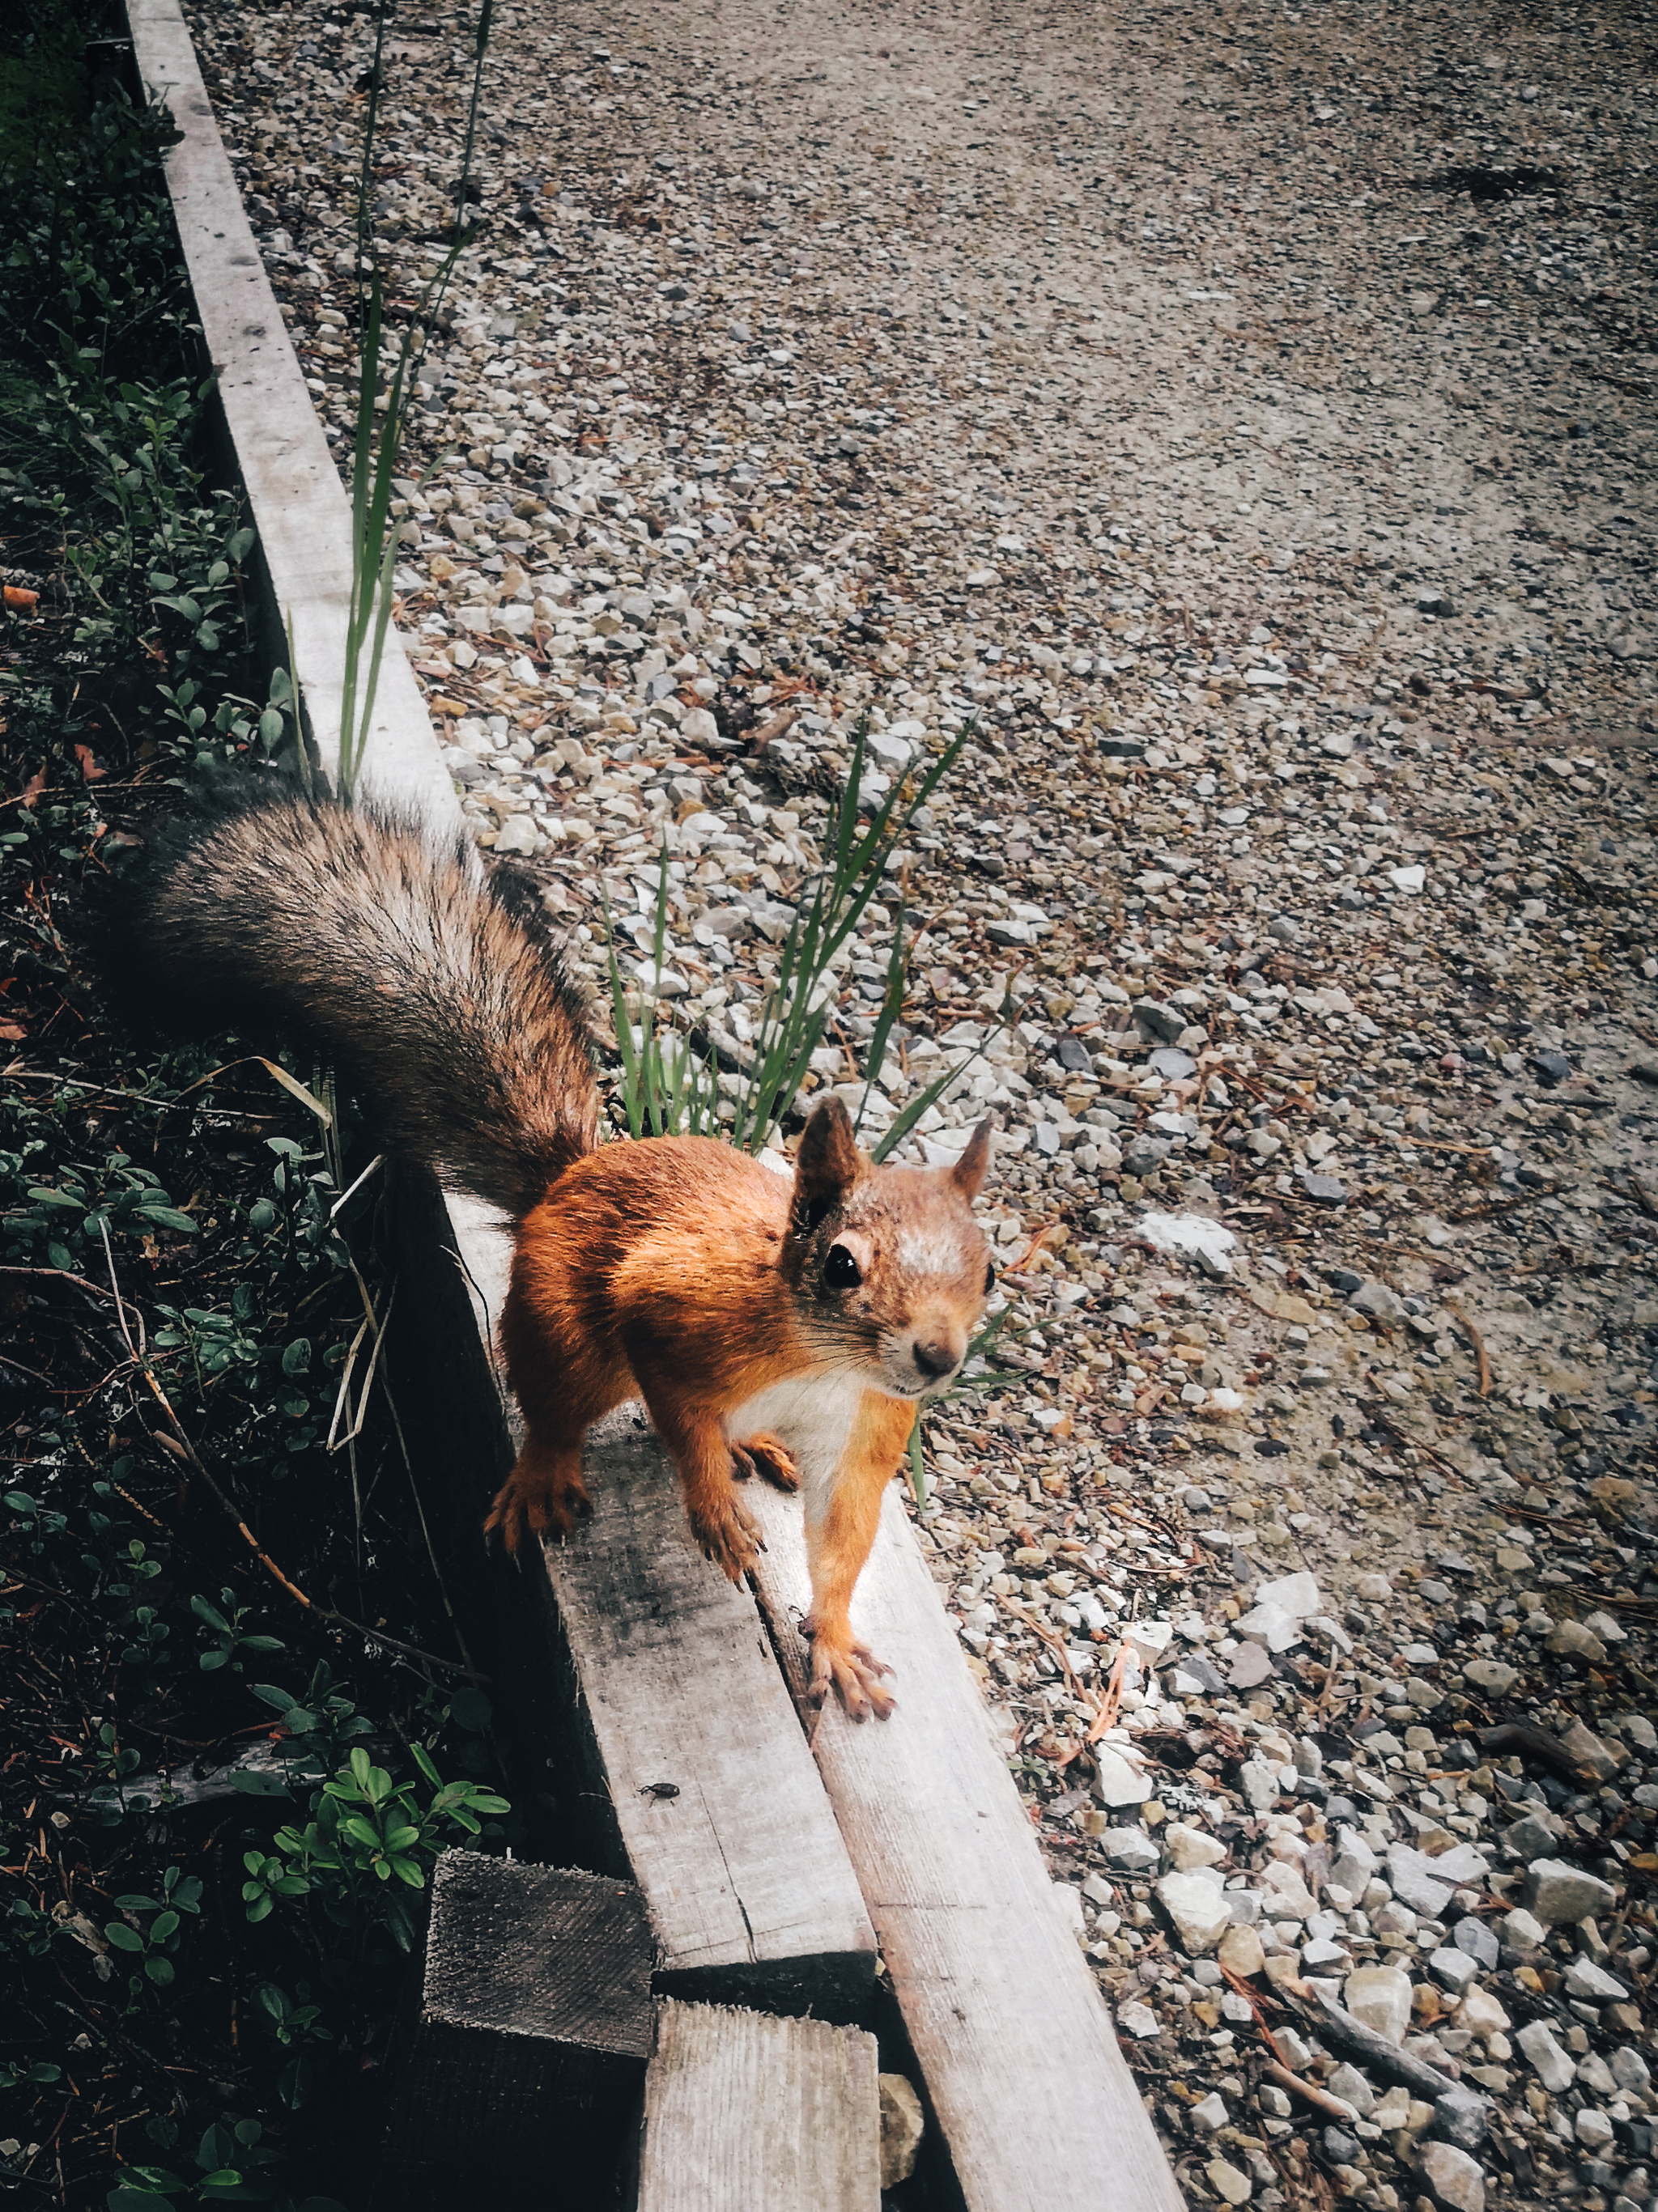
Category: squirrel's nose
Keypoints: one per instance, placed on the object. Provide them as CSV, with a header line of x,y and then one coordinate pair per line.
x,y
934,1359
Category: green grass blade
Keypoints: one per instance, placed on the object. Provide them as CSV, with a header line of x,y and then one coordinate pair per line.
x,y
631,1095
891,1005
918,1468
900,1129
302,748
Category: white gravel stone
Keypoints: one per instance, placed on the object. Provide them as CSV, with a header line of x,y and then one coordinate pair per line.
x,y
1119,1780
1458,2182
1482,2015
1379,1997
1199,1910
1545,2057
1230,2184
1295,1594
1585,1980
1594,2130
1453,1970
1558,1893
1523,1930
1189,1848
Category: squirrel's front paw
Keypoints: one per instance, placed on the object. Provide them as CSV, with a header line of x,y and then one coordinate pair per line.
x,y
527,1505
730,1534
769,1457
849,1669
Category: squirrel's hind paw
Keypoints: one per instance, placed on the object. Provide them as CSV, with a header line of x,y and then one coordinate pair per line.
x,y
851,1669
526,1505
768,1456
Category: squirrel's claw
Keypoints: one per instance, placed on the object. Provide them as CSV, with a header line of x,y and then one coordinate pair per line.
x,y
524,1507
851,1669
730,1536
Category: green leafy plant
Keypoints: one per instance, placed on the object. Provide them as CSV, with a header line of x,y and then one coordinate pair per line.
x,y
798,1011
367,1831
182,1307
297,2026
665,1090
228,1641
234,2165
64,1219
148,1935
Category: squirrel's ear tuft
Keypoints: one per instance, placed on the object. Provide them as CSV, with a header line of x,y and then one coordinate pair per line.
x,y
969,1173
826,1165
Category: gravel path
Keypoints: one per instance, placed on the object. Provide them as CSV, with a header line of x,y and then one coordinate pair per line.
x,y
1244,419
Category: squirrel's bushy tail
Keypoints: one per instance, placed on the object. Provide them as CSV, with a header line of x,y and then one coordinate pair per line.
x,y
453,1020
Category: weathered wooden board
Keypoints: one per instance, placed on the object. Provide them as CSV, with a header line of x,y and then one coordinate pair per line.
x,y
719,1808
301,563
744,2113
670,1675
1020,2061
528,2051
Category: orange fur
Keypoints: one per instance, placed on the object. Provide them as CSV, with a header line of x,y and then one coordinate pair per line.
x,y
837,1549
680,1270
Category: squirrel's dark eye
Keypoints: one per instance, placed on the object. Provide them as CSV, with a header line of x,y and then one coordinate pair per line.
x,y
990,1278
840,1270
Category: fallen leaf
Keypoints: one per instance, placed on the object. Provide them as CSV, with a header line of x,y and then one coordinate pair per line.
x,y
13,1032
20,601
91,767
33,787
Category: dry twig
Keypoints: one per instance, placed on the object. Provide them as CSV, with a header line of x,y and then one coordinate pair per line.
x,y
1478,1344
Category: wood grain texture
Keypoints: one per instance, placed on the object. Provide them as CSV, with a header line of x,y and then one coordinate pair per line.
x,y
300,570
744,2113
550,1952
1020,2061
751,1892
527,2052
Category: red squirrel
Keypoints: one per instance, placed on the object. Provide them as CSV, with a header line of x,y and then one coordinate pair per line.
x,y
785,1330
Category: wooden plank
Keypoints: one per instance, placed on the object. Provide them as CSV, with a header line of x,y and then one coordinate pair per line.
x,y
1035,2102
669,1673
743,2112
717,1804
301,564
528,2052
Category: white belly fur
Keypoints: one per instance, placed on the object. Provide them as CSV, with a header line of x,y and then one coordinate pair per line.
x,y
814,1415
